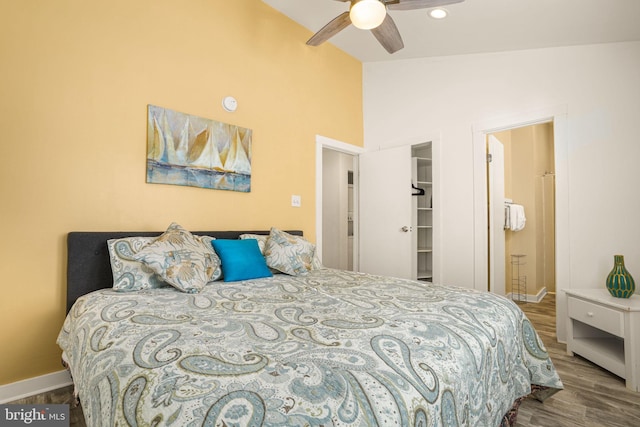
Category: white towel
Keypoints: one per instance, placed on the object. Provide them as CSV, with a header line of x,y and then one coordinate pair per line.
x,y
516,217
507,217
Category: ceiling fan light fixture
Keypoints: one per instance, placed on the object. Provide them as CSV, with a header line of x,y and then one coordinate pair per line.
x,y
367,14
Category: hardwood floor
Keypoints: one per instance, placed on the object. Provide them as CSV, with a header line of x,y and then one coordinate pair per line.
x,y
61,395
592,396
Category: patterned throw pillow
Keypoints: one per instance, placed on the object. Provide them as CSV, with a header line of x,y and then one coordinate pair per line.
x,y
129,274
290,254
216,272
261,238
180,258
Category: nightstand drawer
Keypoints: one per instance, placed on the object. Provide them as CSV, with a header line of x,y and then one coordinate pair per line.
x,y
598,316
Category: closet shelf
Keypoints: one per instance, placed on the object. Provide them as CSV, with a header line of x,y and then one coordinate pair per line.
x,y
425,274
426,160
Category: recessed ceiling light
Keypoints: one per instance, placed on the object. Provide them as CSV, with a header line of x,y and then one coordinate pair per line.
x,y
438,13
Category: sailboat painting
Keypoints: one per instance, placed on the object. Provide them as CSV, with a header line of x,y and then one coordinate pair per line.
x,y
183,149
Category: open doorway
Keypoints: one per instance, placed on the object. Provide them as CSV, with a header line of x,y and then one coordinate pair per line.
x,y
521,205
337,199
338,209
558,115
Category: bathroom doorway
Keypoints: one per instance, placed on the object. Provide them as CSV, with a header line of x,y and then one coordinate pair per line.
x,y
521,203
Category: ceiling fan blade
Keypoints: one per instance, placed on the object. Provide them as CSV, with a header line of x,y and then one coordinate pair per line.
x,y
388,35
336,25
419,4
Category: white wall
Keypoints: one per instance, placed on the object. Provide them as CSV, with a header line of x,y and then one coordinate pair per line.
x,y
600,87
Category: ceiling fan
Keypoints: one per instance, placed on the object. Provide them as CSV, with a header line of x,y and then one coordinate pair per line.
x,y
372,15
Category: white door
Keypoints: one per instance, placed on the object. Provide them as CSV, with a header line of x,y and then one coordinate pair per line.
x,y
386,213
496,216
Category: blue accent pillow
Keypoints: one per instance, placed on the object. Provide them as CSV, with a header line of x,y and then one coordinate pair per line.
x,y
241,259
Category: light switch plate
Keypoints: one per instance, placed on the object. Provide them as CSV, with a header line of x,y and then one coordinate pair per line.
x,y
296,201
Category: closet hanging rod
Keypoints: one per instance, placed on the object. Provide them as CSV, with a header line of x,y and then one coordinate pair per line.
x,y
418,191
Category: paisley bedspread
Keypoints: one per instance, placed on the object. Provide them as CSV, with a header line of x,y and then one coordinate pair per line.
x,y
332,348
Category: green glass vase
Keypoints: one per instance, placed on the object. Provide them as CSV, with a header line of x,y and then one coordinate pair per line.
x,y
619,282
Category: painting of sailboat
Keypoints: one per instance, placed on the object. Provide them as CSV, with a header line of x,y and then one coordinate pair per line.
x,y
183,149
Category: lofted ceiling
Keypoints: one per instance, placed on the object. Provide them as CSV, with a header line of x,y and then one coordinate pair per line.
x,y
478,26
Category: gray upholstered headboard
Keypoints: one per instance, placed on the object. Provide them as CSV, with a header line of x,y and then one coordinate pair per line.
x,y
88,264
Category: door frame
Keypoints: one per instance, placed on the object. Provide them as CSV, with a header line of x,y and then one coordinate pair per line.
x,y
323,142
497,279
557,115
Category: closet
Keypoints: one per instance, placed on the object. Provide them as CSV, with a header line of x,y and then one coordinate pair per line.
x,y
397,227
422,186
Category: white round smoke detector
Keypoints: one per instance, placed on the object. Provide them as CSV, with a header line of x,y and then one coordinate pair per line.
x,y
230,104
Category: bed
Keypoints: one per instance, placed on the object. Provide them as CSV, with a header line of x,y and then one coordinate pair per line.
x,y
322,348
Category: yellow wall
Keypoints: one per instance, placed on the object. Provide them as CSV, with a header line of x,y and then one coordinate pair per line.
x,y
75,80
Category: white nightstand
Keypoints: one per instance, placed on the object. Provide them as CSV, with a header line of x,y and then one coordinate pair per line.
x,y
606,331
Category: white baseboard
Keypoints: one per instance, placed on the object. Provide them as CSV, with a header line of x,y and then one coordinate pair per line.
x,y
531,298
32,386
